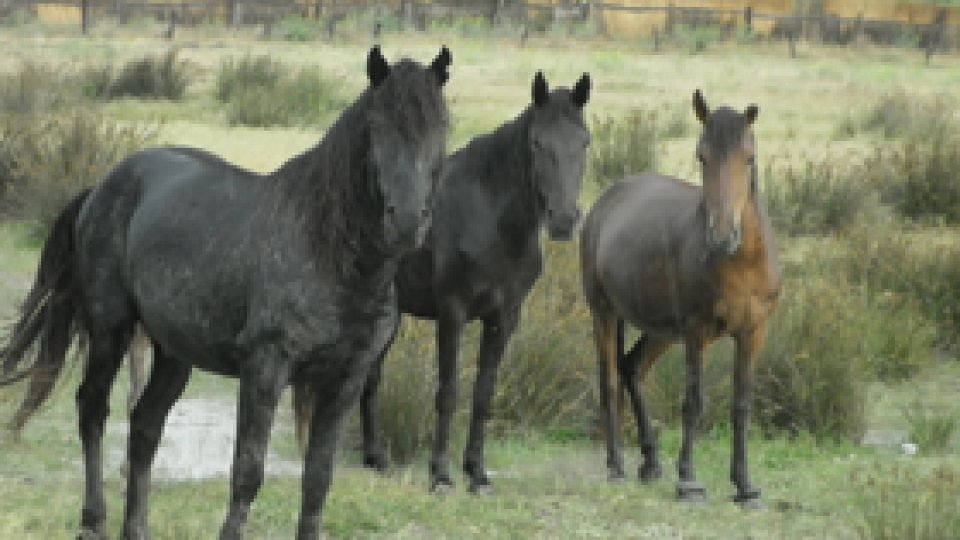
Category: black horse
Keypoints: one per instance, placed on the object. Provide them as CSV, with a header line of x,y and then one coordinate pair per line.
x,y
269,279
483,255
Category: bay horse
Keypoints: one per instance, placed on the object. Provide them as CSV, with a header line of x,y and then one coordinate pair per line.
x,y
267,278
483,255
686,263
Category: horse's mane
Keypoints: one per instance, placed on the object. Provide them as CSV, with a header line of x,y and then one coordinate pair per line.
x,y
329,186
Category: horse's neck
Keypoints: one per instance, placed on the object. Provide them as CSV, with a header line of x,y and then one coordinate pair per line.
x,y
755,228
522,215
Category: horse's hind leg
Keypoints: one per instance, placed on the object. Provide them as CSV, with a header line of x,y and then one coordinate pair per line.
x,y
496,333
374,453
168,379
105,355
643,355
605,336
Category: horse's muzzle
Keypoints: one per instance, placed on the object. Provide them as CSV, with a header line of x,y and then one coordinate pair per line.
x,y
562,226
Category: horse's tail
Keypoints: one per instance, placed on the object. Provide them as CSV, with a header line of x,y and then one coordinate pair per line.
x,y
47,317
303,400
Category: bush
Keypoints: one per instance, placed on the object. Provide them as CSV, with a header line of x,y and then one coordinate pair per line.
x,y
899,114
623,145
896,502
889,261
36,88
920,176
297,29
810,373
547,378
817,198
407,388
261,92
47,159
151,77
237,75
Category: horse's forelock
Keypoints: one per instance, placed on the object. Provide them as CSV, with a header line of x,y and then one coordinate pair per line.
x,y
562,104
410,100
724,130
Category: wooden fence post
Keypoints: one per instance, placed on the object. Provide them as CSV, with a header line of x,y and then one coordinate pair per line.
x,y
84,16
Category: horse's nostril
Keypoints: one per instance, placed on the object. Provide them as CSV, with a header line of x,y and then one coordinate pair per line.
x,y
391,209
425,213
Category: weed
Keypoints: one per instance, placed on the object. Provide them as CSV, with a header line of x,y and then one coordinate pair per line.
x,y
931,428
896,502
623,145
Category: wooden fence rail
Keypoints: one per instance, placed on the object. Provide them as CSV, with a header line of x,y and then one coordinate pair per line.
x,y
934,34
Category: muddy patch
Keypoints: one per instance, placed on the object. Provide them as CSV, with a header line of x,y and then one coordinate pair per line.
x,y
197,443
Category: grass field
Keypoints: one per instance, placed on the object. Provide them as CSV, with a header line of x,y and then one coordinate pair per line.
x,y
548,484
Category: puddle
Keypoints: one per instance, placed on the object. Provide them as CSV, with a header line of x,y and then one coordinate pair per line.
x,y
197,443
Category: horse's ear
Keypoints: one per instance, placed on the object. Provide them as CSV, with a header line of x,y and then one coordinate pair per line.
x,y
751,113
700,107
377,67
541,92
581,91
440,64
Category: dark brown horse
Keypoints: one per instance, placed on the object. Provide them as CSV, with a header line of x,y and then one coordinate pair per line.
x,y
683,263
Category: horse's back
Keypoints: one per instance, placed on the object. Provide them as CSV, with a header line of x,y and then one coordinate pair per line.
x,y
162,239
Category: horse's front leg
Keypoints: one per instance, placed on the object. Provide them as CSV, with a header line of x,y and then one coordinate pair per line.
x,y
688,488
496,334
749,344
335,394
449,329
261,382
374,453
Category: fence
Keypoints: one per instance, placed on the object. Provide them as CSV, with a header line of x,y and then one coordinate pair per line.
x,y
940,30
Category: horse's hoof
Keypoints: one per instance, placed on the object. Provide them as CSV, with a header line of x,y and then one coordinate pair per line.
x,y
90,534
749,499
650,473
691,491
441,486
616,477
376,462
481,488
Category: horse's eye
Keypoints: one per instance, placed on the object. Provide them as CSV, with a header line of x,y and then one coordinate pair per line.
x,y
701,158
751,160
